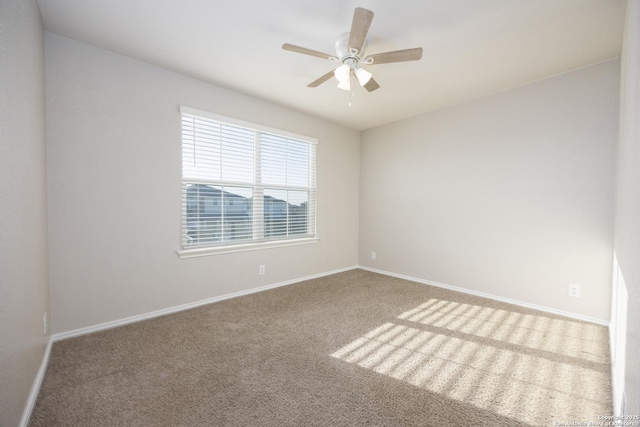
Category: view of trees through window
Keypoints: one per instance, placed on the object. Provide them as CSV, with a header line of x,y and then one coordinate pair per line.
x,y
241,184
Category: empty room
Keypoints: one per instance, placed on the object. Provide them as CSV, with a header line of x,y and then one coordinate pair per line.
x,y
286,213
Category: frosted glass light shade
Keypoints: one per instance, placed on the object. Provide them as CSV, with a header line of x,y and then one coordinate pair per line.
x,y
345,85
342,73
363,76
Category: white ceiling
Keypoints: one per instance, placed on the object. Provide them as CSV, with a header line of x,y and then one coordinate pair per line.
x,y
471,47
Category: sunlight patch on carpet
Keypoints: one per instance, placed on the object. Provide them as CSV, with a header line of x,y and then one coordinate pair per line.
x,y
524,366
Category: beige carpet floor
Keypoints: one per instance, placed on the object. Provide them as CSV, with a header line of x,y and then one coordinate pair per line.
x,y
351,349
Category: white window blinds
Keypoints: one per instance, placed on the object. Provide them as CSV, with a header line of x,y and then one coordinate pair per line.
x,y
244,183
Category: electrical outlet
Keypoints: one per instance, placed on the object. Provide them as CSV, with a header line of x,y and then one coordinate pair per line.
x,y
45,323
574,290
373,255
261,270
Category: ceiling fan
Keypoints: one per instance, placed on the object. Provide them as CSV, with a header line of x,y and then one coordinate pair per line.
x,y
350,48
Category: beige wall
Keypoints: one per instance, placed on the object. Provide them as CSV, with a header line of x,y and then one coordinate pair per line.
x,y
113,134
24,295
510,194
627,230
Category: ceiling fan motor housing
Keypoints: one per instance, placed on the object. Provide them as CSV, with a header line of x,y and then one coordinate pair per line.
x,y
343,52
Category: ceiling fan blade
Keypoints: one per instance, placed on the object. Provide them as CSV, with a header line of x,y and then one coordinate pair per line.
x,y
394,56
317,82
371,85
306,51
359,28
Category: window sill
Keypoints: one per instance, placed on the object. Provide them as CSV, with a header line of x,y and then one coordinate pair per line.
x,y
198,252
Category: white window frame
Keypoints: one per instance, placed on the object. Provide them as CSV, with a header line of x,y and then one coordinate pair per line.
x,y
257,213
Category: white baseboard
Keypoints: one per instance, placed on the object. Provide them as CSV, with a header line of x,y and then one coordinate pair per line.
x,y
33,395
35,388
178,308
576,316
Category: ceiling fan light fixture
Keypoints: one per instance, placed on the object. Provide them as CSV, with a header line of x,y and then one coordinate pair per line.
x,y
363,76
345,85
350,50
342,73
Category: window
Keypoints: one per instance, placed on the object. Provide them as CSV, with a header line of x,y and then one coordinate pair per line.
x,y
244,184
